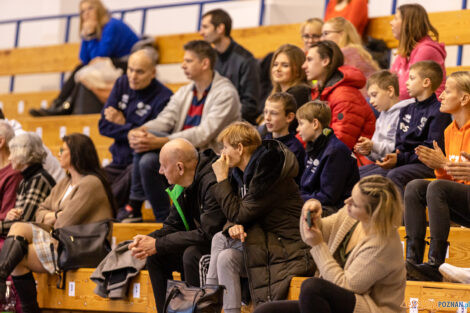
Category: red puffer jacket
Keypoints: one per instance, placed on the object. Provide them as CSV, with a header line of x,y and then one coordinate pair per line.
x,y
351,115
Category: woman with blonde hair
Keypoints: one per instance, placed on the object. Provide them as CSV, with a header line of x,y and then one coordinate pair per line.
x,y
358,254
343,33
262,204
448,197
102,37
310,31
413,30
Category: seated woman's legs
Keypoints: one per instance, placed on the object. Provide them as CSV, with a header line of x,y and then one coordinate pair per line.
x,y
319,295
447,201
415,219
18,258
225,268
278,307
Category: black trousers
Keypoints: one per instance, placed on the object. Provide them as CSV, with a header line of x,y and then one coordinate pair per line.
x,y
161,266
446,201
316,296
120,179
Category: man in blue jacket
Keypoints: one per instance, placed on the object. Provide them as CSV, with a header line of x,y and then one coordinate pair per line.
x,y
136,98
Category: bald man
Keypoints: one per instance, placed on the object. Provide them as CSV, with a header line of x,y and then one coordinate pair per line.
x,y
136,98
179,245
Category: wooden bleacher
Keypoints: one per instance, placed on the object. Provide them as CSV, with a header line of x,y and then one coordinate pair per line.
x,y
453,27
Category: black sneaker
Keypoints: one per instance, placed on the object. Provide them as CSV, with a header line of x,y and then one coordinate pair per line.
x,y
128,215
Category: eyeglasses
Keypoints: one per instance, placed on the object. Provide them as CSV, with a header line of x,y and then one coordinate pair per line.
x,y
312,37
327,32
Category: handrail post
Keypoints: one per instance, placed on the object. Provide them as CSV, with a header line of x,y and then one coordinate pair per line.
x,y
200,16
144,18
261,13
17,40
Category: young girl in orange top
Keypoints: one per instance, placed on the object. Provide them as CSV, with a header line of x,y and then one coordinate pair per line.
x,y
448,197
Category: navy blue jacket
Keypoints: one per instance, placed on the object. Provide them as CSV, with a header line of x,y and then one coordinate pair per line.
x,y
420,123
138,107
330,171
296,147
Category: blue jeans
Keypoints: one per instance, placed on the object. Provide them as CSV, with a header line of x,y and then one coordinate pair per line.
x,y
148,184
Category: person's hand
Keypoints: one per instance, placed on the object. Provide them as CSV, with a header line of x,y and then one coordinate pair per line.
x,y
114,116
459,170
141,140
312,235
389,161
221,167
49,218
14,215
237,232
143,246
433,158
363,146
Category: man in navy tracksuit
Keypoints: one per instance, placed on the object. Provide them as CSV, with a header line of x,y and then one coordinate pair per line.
x,y
330,167
419,123
135,99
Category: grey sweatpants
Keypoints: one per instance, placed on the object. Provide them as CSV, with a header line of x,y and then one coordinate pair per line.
x,y
225,268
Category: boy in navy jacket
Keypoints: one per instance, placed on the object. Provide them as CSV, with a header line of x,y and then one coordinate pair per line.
x,y
279,112
330,168
420,123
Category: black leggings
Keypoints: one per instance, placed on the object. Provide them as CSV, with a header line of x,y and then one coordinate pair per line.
x,y
446,200
316,296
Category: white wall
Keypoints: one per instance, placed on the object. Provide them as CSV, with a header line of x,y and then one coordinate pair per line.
x,y
245,13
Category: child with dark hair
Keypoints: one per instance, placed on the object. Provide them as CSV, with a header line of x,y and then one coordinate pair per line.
x,y
331,169
279,113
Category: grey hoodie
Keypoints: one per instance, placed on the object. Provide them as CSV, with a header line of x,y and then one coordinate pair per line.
x,y
385,131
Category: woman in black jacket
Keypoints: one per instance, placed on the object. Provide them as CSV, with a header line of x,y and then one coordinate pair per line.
x,y
262,204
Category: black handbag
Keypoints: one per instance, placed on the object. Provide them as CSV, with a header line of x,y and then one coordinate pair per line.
x,y
183,298
84,245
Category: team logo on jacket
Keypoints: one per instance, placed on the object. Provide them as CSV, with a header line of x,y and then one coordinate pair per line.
x,y
142,109
123,103
422,123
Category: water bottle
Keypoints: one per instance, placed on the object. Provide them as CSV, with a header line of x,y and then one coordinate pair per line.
x,y
9,306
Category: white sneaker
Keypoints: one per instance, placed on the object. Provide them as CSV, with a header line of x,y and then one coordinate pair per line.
x,y
455,274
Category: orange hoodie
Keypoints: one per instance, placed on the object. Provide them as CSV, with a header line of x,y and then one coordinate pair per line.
x,y
456,140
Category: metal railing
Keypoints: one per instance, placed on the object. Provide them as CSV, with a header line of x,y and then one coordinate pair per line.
x,y
123,12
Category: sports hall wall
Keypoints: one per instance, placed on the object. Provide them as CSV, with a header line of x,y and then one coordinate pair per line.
x,y
184,19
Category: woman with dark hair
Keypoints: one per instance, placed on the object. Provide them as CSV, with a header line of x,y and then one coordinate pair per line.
x,y
412,28
287,74
82,197
339,85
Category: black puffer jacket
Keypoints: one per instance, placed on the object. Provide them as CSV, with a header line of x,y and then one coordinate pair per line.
x,y
200,208
265,199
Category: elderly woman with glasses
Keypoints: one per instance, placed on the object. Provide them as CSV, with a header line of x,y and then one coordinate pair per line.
x,y
27,155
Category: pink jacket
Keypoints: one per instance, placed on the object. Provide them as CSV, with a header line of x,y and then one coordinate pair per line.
x,y
426,49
